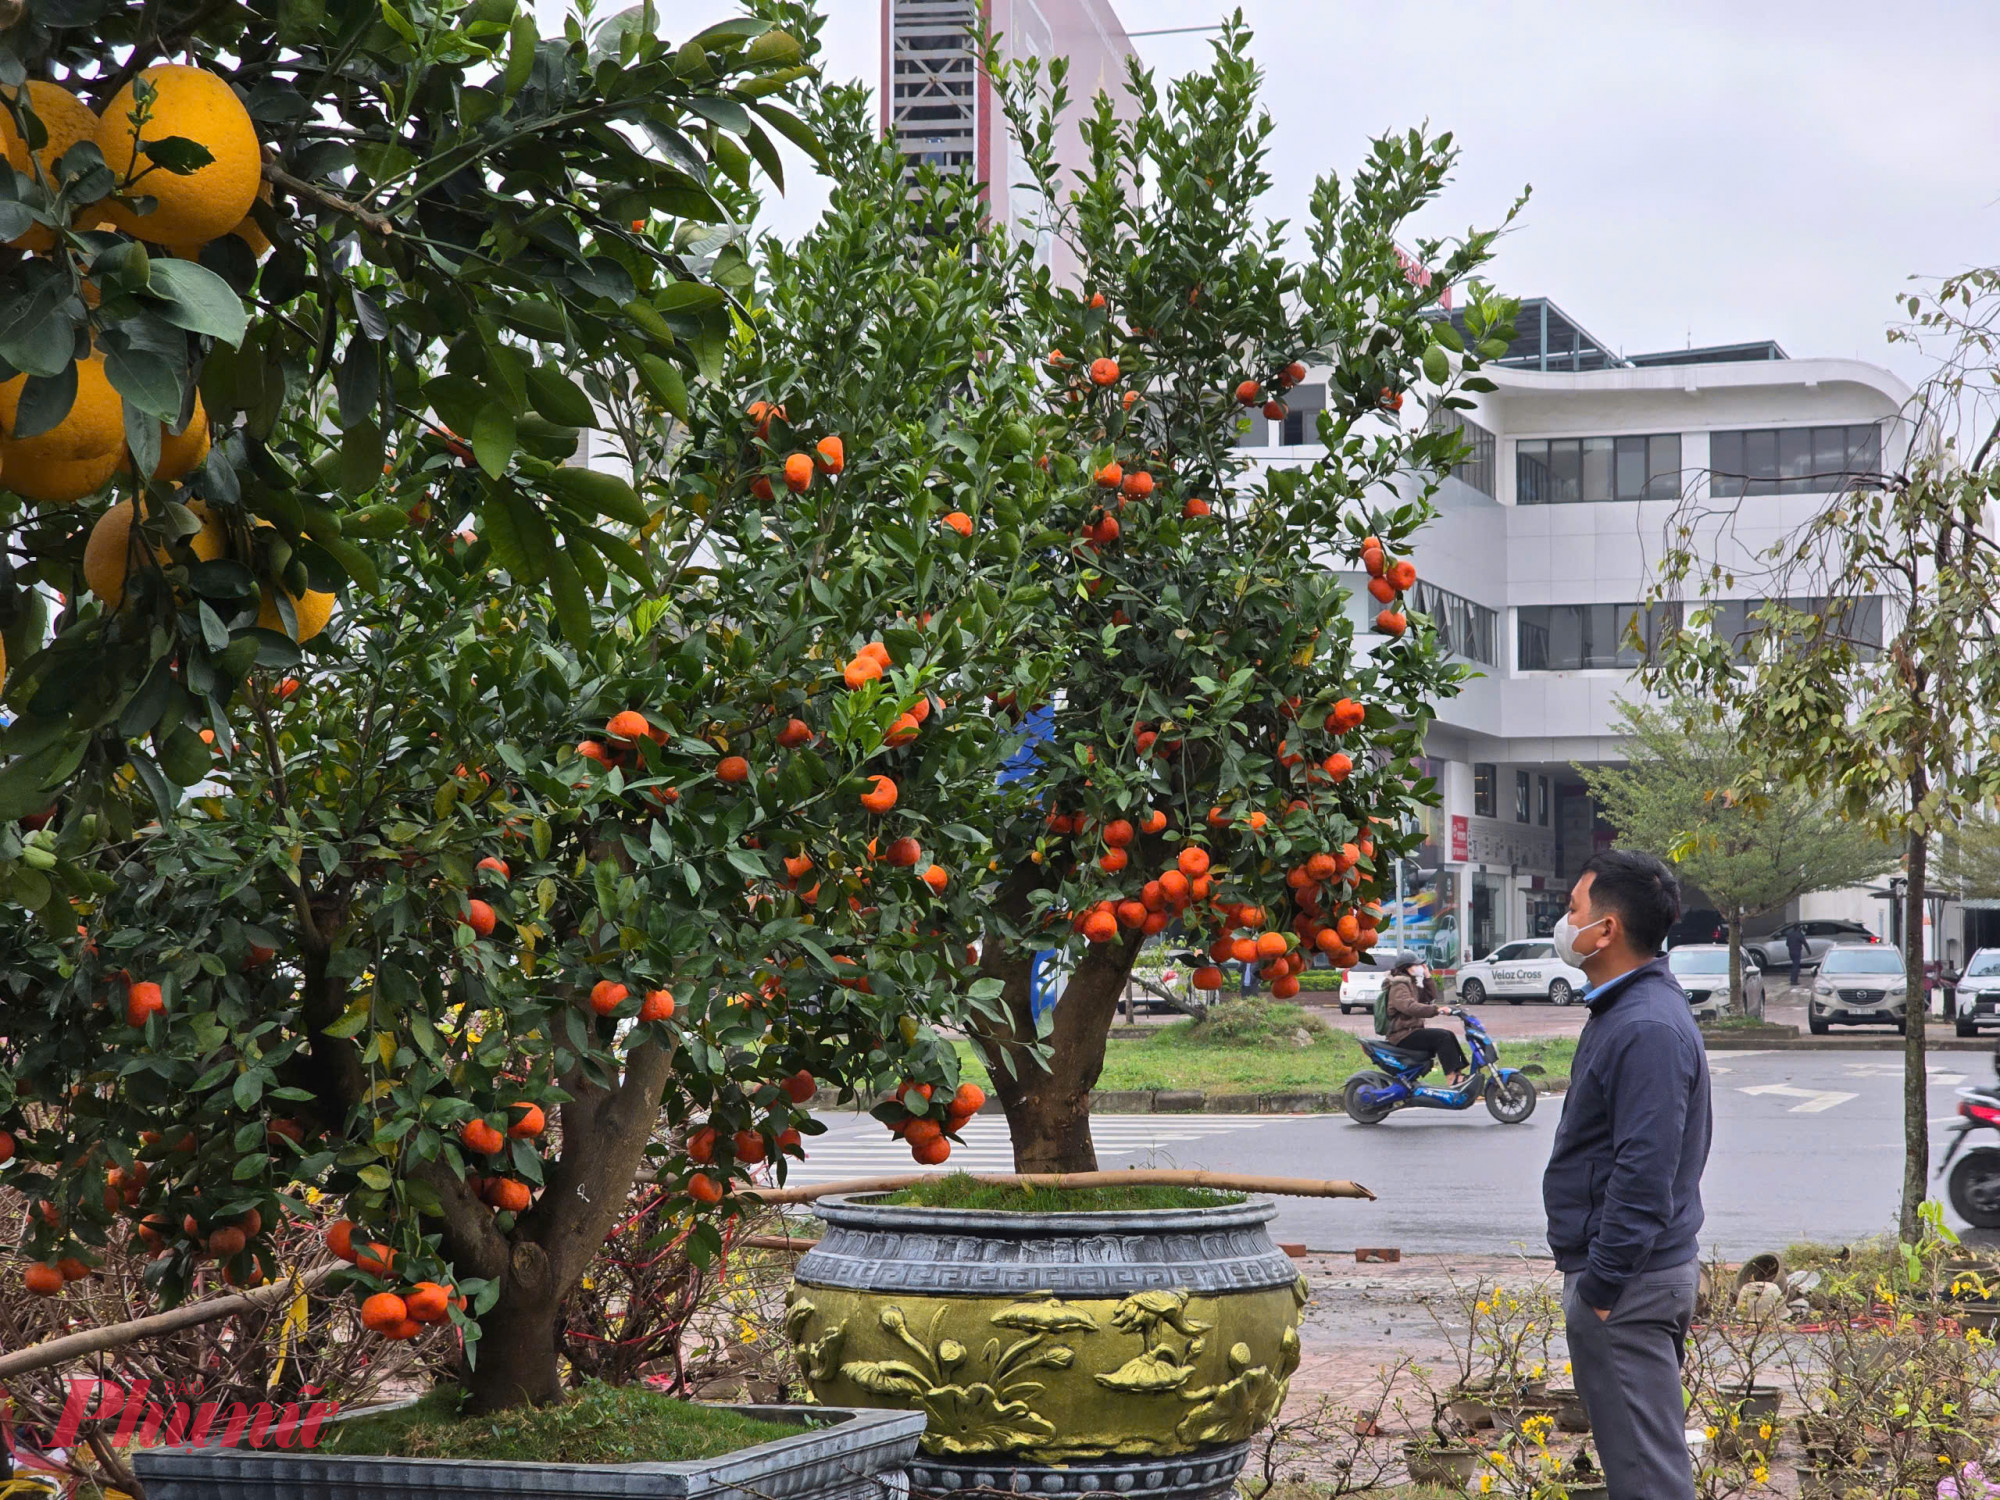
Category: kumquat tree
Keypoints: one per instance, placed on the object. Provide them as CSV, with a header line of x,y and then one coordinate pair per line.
x,y
553,825
1227,755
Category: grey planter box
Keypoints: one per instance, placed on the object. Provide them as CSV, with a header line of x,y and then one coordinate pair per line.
x,y
857,1455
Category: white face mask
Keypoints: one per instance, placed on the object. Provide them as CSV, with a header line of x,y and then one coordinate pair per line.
x,y
1565,937
1418,973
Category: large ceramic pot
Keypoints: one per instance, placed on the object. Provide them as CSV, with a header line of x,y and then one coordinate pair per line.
x,y
1129,1353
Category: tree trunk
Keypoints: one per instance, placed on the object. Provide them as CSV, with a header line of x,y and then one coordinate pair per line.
x,y
1048,1109
1916,1082
1739,1004
518,1358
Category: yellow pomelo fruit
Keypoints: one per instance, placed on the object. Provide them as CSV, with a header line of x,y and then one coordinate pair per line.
x,y
194,208
52,481
180,452
248,232
312,611
75,456
107,556
67,119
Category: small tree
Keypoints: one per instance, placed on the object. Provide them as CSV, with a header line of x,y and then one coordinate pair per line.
x,y
1689,792
1969,857
1895,724
1222,746
490,905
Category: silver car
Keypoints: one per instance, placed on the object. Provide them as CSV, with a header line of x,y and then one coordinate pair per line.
x,y
1979,992
1703,970
1857,985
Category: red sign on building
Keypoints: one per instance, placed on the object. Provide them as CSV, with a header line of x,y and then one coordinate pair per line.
x,y
1461,838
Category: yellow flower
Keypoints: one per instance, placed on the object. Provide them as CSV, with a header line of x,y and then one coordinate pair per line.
x,y
1761,1474
1711,1432
1480,1307
1763,1429
1485,1484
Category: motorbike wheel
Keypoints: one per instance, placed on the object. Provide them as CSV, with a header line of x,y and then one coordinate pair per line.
x,y
1359,1110
1974,1188
1511,1100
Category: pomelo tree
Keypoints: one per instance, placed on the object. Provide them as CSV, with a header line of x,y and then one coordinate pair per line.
x,y
573,844
1229,755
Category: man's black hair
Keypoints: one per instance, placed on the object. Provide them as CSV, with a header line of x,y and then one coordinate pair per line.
x,y
1640,888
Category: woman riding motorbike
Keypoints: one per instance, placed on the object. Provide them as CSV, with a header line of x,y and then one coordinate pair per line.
x,y
1412,999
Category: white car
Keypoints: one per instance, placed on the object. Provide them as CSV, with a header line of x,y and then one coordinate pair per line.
x,y
1979,992
1515,972
1360,985
1857,986
1703,970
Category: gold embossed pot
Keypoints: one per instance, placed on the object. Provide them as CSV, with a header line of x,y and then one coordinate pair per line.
x,y
1129,1353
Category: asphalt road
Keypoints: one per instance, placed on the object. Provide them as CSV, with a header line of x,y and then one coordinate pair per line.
x,y
1807,1146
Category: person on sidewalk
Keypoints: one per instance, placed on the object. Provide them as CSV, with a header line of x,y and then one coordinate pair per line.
x,y
1412,1000
1795,949
1623,1184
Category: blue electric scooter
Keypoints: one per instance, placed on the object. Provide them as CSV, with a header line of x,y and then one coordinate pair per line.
x,y
1372,1097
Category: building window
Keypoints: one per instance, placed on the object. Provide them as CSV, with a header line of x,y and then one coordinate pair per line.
x,y
1859,621
1578,637
1300,424
1542,800
1792,460
1478,467
1485,790
1566,471
1464,628
1523,784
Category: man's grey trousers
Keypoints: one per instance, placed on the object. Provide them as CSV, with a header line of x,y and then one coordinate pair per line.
x,y
1628,1370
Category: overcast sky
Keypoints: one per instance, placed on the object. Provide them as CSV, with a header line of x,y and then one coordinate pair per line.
x,y
1703,170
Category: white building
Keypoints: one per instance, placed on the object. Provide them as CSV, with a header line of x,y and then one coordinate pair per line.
x,y
939,104
1543,549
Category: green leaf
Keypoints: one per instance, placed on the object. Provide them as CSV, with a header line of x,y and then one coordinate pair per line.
x,y
560,399
376,1177
1437,365
572,605
663,379
599,493
176,154
197,299
145,379
352,1020
522,38
493,438
248,1088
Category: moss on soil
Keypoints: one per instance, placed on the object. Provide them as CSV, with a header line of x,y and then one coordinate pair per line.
x,y
959,1190
598,1424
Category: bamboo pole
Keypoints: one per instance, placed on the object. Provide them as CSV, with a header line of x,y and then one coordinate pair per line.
x,y
113,1335
1232,1182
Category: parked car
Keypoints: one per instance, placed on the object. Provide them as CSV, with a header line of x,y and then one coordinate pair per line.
x,y
1703,970
1859,984
1770,953
1979,992
1527,970
1361,984
1702,925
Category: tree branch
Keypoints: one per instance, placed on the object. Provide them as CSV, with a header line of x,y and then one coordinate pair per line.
x,y
299,187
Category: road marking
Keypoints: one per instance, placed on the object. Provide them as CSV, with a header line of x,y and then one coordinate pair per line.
x,y
1817,1100
1947,1079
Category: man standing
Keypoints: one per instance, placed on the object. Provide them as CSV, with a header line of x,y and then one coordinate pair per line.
x,y
1795,948
1623,1185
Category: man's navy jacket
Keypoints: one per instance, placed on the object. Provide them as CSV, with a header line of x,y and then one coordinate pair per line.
x,y
1623,1184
